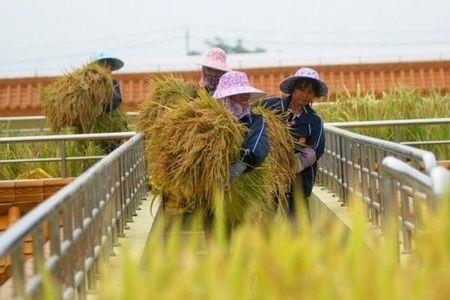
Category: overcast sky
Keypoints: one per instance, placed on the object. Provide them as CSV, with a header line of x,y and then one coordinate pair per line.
x,y
50,36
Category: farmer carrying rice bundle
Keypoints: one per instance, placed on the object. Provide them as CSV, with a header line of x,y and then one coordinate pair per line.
x,y
214,65
197,147
305,126
86,100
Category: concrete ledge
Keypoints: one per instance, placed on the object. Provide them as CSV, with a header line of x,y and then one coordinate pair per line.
x,y
324,205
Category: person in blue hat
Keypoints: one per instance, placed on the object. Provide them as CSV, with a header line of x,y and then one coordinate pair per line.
x,y
113,64
305,125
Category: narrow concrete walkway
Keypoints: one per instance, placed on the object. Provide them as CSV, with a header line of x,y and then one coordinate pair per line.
x,y
324,204
134,241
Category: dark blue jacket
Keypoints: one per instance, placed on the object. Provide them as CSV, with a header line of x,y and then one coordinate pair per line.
x,y
307,128
116,99
255,146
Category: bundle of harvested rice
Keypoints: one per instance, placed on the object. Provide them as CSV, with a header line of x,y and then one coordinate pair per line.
x,y
168,91
115,121
78,98
190,150
252,197
281,156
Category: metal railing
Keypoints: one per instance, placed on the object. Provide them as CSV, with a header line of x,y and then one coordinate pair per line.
x,y
396,125
391,123
35,124
62,141
77,226
382,174
405,190
350,166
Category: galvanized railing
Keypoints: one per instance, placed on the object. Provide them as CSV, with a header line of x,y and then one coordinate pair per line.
x,y
396,125
77,226
62,140
382,173
35,124
406,191
391,123
350,166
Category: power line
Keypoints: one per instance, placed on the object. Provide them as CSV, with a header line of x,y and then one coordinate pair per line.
x,y
79,54
335,43
265,30
104,39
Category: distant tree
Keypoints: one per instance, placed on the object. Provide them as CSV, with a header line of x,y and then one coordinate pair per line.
x,y
219,42
193,53
238,48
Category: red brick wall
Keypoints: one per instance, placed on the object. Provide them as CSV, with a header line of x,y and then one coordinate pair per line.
x,y
20,96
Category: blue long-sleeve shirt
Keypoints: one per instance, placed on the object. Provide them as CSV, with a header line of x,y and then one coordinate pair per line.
x,y
255,146
116,99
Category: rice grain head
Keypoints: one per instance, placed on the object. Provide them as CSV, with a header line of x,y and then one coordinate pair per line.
x,y
77,98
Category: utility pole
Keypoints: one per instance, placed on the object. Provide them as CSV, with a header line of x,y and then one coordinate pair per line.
x,y
187,37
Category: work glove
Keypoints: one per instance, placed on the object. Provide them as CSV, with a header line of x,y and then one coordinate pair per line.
x,y
305,158
236,170
300,166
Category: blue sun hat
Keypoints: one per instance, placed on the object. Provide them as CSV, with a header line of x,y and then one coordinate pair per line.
x,y
114,62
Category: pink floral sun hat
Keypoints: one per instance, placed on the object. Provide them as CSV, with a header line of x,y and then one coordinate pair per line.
x,y
216,58
235,83
287,85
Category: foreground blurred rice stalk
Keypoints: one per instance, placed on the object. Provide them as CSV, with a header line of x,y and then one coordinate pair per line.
x,y
285,261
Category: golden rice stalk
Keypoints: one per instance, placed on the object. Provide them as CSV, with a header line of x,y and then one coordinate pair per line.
x,y
34,174
77,98
252,197
168,92
115,121
190,150
282,160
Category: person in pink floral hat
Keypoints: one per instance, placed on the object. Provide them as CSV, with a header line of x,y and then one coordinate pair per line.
x,y
305,125
214,65
236,93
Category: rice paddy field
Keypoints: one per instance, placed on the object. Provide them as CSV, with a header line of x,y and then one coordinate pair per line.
x,y
397,105
47,150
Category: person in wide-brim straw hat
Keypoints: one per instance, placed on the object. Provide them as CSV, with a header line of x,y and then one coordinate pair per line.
x,y
214,65
236,93
112,64
305,125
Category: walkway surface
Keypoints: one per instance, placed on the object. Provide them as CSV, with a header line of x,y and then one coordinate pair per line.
x,y
134,240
